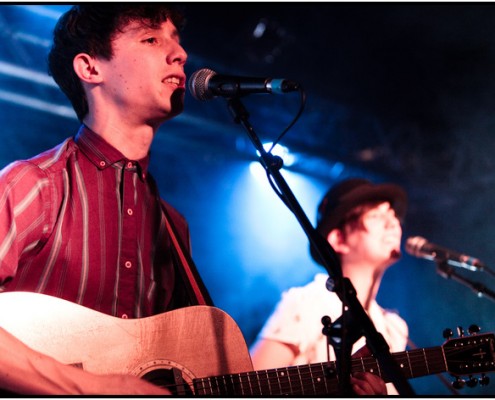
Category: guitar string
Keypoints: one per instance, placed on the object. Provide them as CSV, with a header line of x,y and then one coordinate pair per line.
x,y
305,375
310,378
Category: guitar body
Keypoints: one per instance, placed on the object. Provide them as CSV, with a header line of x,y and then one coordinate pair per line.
x,y
201,350
197,341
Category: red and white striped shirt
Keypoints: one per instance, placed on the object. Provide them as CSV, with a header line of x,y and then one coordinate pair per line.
x,y
83,223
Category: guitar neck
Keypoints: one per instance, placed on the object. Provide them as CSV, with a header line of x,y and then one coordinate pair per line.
x,y
316,379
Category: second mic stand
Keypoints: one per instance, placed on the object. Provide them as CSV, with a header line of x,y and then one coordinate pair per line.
x,y
445,270
342,286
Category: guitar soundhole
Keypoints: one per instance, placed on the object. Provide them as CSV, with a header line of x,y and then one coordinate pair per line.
x,y
169,378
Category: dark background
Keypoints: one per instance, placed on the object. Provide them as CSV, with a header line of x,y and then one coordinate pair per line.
x,y
398,92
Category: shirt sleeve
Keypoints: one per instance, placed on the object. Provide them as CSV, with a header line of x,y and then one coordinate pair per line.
x,y
25,213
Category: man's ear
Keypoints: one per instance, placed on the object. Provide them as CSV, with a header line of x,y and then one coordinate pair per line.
x,y
86,68
336,239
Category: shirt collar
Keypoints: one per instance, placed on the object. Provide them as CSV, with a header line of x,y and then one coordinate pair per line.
x,y
102,154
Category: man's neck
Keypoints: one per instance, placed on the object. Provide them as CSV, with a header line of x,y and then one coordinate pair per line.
x,y
133,142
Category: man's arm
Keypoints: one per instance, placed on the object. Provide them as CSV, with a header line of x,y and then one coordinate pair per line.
x,y
25,371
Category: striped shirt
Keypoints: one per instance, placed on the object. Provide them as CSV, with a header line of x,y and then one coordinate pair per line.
x,y
83,223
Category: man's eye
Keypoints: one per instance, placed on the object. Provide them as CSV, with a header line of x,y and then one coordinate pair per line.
x,y
150,40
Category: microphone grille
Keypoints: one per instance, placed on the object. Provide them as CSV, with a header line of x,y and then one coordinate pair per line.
x,y
414,245
198,84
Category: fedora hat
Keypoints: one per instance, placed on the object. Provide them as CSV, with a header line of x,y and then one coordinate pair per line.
x,y
347,194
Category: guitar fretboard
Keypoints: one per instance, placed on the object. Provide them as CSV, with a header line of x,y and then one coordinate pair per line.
x,y
315,379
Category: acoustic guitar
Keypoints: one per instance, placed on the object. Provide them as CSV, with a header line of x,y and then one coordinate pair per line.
x,y
200,350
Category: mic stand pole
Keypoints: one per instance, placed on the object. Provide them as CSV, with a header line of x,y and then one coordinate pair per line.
x,y
342,286
488,270
447,271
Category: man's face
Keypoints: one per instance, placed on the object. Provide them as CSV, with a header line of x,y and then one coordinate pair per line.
x,y
144,80
378,239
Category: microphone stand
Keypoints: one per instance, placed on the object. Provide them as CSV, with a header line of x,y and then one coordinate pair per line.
x,y
342,286
447,271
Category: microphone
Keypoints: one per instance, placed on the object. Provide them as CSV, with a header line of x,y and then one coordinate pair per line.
x,y
206,84
419,247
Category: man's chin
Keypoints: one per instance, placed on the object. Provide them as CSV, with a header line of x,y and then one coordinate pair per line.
x,y
177,102
395,254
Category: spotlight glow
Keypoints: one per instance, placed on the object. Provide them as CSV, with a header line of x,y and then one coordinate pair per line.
x,y
281,151
259,30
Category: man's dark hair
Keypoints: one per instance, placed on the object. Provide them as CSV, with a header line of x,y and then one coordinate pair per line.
x,y
90,28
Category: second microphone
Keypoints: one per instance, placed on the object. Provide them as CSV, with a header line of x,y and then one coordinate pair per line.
x,y
418,246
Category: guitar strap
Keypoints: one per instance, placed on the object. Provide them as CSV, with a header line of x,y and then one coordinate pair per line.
x,y
193,282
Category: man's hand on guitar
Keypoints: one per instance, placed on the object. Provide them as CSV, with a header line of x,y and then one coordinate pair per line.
x,y
129,385
366,384
26,371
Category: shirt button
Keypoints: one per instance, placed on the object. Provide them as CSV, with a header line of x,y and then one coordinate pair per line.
x,y
102,163
129,211
129,164
124,316
128,264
